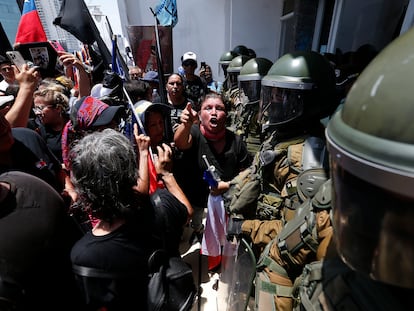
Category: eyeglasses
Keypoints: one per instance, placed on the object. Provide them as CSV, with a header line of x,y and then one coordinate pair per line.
x,y
39,109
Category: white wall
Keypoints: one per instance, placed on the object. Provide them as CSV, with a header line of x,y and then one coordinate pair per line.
x,y
209,28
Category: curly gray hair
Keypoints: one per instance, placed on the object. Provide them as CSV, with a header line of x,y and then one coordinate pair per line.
x,y
104,171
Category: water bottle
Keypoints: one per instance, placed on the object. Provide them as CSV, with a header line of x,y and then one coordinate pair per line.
x,y
155,96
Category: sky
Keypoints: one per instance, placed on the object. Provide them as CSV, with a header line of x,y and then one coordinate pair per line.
x,y
110,9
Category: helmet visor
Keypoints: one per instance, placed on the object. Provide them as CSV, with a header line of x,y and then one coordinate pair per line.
x,y
233,79
373,229
280,105
251,89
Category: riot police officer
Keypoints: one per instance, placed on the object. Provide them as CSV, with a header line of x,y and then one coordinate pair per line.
x,y
231,94
371,143
225,60
250,85
298,90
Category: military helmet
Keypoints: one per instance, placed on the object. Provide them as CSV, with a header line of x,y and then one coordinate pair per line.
x,y
371,146
300,86
234,68
225,60
241,50
250,77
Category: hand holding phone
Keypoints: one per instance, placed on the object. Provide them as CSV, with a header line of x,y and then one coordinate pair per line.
x,y
16,58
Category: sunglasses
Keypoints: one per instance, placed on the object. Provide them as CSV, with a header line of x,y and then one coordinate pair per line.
x,y
189,63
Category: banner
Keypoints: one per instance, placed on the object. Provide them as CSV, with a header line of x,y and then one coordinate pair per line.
x,y
143,45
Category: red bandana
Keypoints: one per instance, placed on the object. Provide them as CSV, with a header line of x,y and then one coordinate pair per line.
x,y
212,136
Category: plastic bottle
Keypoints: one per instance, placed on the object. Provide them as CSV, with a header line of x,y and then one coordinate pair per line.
x,y
155,96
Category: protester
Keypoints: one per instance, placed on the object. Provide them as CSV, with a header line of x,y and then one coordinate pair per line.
x,y
138,90
7,73
223,149
194,86
24,150
6,101
35,270
135,72
51,110
28,80
176,97
110,90
206,74
153,117
151,77
77,71
105,173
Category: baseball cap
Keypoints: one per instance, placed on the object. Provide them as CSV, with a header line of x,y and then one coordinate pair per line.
x,y
91,112
98,91
143,106
150,76
189,56
111,82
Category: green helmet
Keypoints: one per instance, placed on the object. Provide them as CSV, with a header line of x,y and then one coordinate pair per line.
x,y
234,68
241,50
371,145
225,60
250,77
299,87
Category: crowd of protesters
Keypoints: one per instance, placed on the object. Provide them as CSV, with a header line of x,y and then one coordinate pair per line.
x,y
84,151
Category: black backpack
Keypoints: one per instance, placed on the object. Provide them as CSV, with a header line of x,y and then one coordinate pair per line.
x,y
171,286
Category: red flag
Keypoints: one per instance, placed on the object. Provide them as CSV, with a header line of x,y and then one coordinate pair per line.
x,y
154,184
30,27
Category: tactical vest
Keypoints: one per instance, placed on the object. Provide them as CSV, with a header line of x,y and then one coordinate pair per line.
x,y
280,164
331,285
303,239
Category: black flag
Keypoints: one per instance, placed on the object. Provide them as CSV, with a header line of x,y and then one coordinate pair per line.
x,y
76,19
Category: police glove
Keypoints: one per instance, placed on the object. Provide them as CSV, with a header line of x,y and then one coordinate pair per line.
x,y
234,228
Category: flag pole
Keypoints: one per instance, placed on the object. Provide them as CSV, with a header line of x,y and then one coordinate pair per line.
x,y
162,88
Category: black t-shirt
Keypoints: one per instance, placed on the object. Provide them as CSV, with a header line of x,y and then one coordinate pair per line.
x,y
195,89
52,138
190,168
125,251
30,154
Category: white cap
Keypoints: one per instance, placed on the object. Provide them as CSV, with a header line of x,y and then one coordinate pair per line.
x,y
189,56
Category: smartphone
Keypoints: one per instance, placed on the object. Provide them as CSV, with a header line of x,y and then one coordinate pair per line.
x,y
16,58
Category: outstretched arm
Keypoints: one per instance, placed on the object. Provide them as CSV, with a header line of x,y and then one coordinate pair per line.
x,y
19,112
69,61
182,137
163,167
143,143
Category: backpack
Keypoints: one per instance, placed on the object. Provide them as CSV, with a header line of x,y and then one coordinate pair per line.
x,y
171,285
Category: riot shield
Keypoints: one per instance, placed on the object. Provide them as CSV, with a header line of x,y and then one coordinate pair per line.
x,y
236,279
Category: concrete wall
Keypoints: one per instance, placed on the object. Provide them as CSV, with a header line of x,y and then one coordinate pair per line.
x,y
209,28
